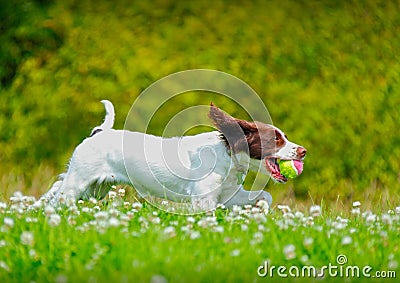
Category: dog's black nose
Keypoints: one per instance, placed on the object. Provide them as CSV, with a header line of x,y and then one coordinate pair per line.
x,y
301,152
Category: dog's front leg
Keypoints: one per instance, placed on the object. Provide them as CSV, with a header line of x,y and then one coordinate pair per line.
x,y
206,192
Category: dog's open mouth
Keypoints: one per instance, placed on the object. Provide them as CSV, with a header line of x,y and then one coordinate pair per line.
x,y
272,166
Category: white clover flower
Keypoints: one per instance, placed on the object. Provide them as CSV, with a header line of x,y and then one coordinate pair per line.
x,y
8,222
81,202
392,264
355,211
3,243
315,210
27,238
185,229
211,220
124,220
101,216
299,215
170,231
61,279
284,208
194,235
259,218
282,224
113,222
112,195
263,204
258,237
30,200
61,198
121,192
261,228
235,252
54,220
191,219
308,241
218,229
289,251
356,204
309,221
339,225
158,279
73,209
202,223
49,210
71,220
4,266
85,209
370,218
353,230
17,197
288,215
137,205
346,240
3,206
155,220
365,214
244,227
386,219
304,259
113,212
397,209
236,209
248,206
33,253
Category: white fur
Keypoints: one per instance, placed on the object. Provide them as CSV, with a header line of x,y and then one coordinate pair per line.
x,y
289,151
109,118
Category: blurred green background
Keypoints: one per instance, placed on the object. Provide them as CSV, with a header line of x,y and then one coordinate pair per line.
x,y
328,71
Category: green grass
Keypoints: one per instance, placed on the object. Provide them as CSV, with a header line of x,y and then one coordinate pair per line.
x,y
132,242
326,70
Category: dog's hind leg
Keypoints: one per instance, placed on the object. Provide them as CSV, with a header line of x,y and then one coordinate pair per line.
x,y
101,185
51,193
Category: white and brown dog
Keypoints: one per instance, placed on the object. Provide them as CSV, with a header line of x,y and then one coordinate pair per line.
x,y
205,169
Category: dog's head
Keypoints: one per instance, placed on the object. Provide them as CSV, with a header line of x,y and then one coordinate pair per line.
x,y
262,142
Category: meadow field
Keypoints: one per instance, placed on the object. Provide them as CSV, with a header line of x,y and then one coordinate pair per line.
x,y
328,73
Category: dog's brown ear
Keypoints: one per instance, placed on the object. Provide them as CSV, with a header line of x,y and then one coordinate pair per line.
x,y
222,121
235,131
226,123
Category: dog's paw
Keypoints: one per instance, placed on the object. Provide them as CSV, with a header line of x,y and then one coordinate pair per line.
x,y
264,196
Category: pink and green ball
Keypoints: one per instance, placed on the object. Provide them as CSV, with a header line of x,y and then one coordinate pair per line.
x,y
291,168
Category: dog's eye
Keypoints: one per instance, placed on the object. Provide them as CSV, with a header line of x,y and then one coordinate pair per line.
x,y
277,138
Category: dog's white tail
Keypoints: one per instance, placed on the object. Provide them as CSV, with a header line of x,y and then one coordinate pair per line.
x,y
108,120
